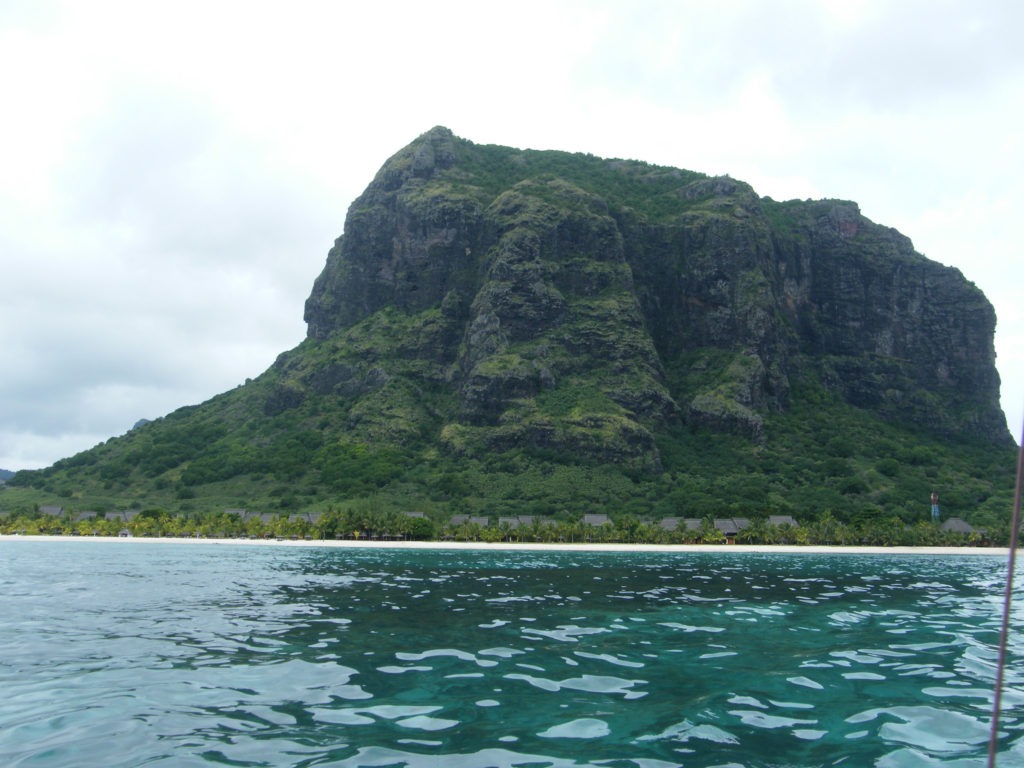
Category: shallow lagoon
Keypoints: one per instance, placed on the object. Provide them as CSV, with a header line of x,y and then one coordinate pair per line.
x,y
127,655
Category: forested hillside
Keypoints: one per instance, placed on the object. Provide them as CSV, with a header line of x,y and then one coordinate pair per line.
x,y
501,331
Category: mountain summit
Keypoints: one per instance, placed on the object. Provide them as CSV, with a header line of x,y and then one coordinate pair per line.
x,y
504,328
542,276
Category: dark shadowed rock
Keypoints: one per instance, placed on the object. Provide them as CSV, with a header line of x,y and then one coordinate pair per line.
x,y
557,273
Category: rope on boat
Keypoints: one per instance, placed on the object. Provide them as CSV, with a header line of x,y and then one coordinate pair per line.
x,y
993,738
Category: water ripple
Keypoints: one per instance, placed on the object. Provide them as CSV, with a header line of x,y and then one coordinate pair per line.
x,y
131,655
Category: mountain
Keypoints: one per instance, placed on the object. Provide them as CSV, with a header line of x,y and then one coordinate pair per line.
x,y
5,474
511,330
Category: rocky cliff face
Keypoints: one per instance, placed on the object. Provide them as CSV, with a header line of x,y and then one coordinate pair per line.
x,y
502,331
576,304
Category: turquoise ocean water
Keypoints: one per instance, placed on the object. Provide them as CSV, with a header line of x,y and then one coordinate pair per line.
x,y
135,654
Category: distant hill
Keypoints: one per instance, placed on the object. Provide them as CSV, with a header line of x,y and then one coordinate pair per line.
x,y
6,474
515,331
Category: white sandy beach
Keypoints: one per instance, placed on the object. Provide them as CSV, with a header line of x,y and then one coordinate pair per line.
x,y
529,546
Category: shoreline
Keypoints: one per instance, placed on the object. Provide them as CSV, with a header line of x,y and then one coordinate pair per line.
x,y
505,546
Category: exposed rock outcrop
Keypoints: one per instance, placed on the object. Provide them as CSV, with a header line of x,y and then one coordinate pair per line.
x,y
504,331
580,304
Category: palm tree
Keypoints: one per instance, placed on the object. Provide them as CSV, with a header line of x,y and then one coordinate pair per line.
x,y
708,533
755,533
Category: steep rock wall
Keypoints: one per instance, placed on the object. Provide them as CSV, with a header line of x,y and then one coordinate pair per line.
x,y
581,304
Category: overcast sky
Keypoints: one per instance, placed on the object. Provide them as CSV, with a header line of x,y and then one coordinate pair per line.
x,y
172,175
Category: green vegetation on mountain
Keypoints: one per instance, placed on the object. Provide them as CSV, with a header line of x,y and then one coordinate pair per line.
x,y
508,332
